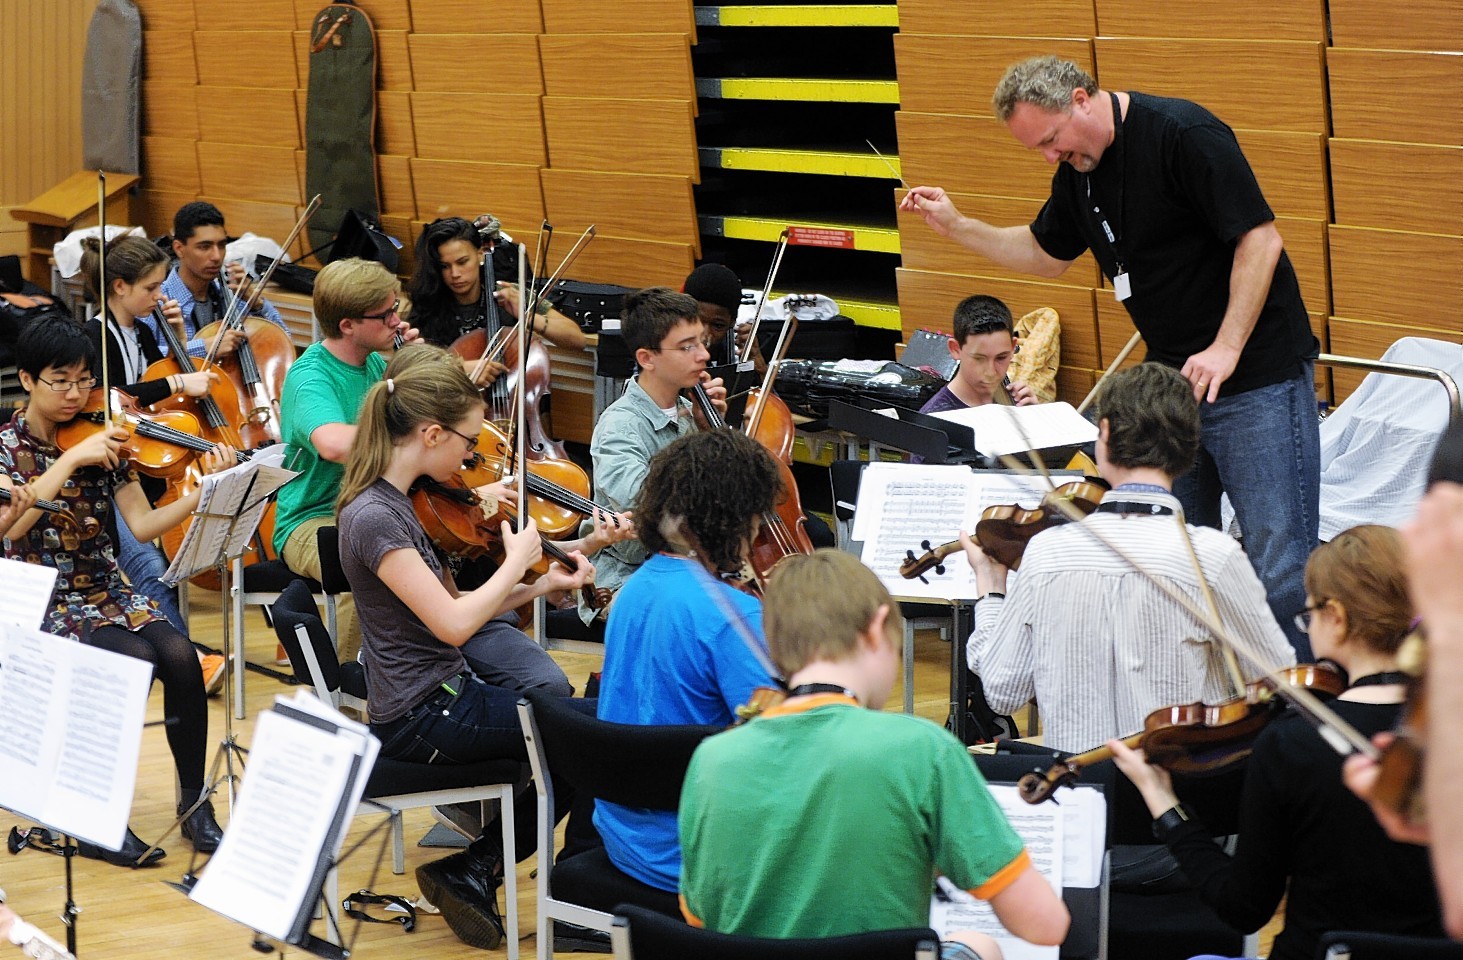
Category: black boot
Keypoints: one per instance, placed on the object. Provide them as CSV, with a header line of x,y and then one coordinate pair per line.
x,y
464,886
128,856
200,827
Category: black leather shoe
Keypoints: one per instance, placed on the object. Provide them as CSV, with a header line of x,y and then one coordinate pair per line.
x,y
572,938
464,887
128,856
202,828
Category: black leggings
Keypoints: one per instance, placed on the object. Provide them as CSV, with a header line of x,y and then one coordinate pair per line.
x,y
185,703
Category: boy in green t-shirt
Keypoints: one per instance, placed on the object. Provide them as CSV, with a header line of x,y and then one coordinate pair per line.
x,y
822,818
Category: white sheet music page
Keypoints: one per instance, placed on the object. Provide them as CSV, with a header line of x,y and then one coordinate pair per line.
x,y
70,730
1000,429
240,492
263,871
25,592
903,506
1041,827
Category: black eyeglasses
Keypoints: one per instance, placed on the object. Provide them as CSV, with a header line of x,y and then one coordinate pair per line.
x,y
472,442
1303,619
391,312
64,386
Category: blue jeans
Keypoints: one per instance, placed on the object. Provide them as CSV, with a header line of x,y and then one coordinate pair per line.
x,y
1263,448
144,564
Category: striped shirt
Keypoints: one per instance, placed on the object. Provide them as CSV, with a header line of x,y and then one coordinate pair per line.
x,y
1099,646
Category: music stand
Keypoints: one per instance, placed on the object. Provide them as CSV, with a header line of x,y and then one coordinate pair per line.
x,y
230,506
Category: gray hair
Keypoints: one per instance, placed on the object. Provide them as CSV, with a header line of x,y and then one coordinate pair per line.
x,y
1045,82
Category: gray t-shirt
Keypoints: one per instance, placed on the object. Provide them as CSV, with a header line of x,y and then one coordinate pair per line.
x,y
404,661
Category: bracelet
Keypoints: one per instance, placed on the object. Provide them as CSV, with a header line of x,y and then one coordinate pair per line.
x,y
1169,821
990,593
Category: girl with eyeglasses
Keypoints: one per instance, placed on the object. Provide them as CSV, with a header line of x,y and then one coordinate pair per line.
x,y
91,602
1303,835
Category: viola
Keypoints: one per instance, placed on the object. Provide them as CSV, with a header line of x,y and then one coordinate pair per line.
x,y
1399,777
558,489
1194,738
257,369
71,530
159,445
455,520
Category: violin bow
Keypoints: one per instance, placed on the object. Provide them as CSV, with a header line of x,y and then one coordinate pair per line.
x,y
1226,652
102,297
1338,734
1122,355
766,290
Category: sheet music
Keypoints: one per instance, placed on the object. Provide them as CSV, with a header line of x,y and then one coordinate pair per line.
x,y
70,731
1040,827
298,795
902,505
1041,426
240,492
25,592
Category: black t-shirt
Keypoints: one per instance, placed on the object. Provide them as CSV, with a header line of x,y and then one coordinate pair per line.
x,y
444,326
1178,193
1299,822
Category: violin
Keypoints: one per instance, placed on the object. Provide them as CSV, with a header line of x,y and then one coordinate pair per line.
x,y
1399,778
1195,738
159,445
1004,530
71,530
455,521
558,489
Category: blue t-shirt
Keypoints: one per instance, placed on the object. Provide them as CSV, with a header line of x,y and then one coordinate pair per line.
x,y
671,657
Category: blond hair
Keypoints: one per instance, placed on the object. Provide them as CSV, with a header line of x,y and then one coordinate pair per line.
x,y
348,288
1361,569
817,605
423,384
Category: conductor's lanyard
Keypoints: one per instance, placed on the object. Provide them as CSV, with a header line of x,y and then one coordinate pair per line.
x,y
1122,286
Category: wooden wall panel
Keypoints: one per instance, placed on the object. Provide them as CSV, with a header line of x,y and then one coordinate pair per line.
x,y
393,61
442,61
270,55
1291,169
969,155
265,174
446,188
1305,243
1239,20
1367,339
1034,18
1238,83
929,299
211,15
242,115
170,109
395,132
576,16
388,14
1414,25
622,204
644,136
1396,277
922,249
266,219
957,74
393,177
575,64
508,128
1398,186
477,16
171,161
167,57
1385,95
635,263
158,208
167,14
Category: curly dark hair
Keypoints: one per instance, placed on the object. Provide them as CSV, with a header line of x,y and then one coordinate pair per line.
x,y
1152,418
715,483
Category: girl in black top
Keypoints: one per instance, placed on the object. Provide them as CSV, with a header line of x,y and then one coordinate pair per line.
x,y
1299,825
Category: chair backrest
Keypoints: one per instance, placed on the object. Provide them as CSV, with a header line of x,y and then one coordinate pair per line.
x,y
628,764
1354,945
653,936
332,575
312,658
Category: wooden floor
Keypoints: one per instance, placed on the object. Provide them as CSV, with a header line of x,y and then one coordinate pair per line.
x,y
133,914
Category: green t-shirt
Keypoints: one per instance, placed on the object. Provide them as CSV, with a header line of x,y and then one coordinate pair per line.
x,y
319,389
826,819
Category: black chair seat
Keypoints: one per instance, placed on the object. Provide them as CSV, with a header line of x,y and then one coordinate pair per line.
x,y
566,625
272,576
353,679
390,778
654,938
590,879
1386,946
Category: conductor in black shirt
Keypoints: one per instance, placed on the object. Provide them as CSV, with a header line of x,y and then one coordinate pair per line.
x,y
1160,192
